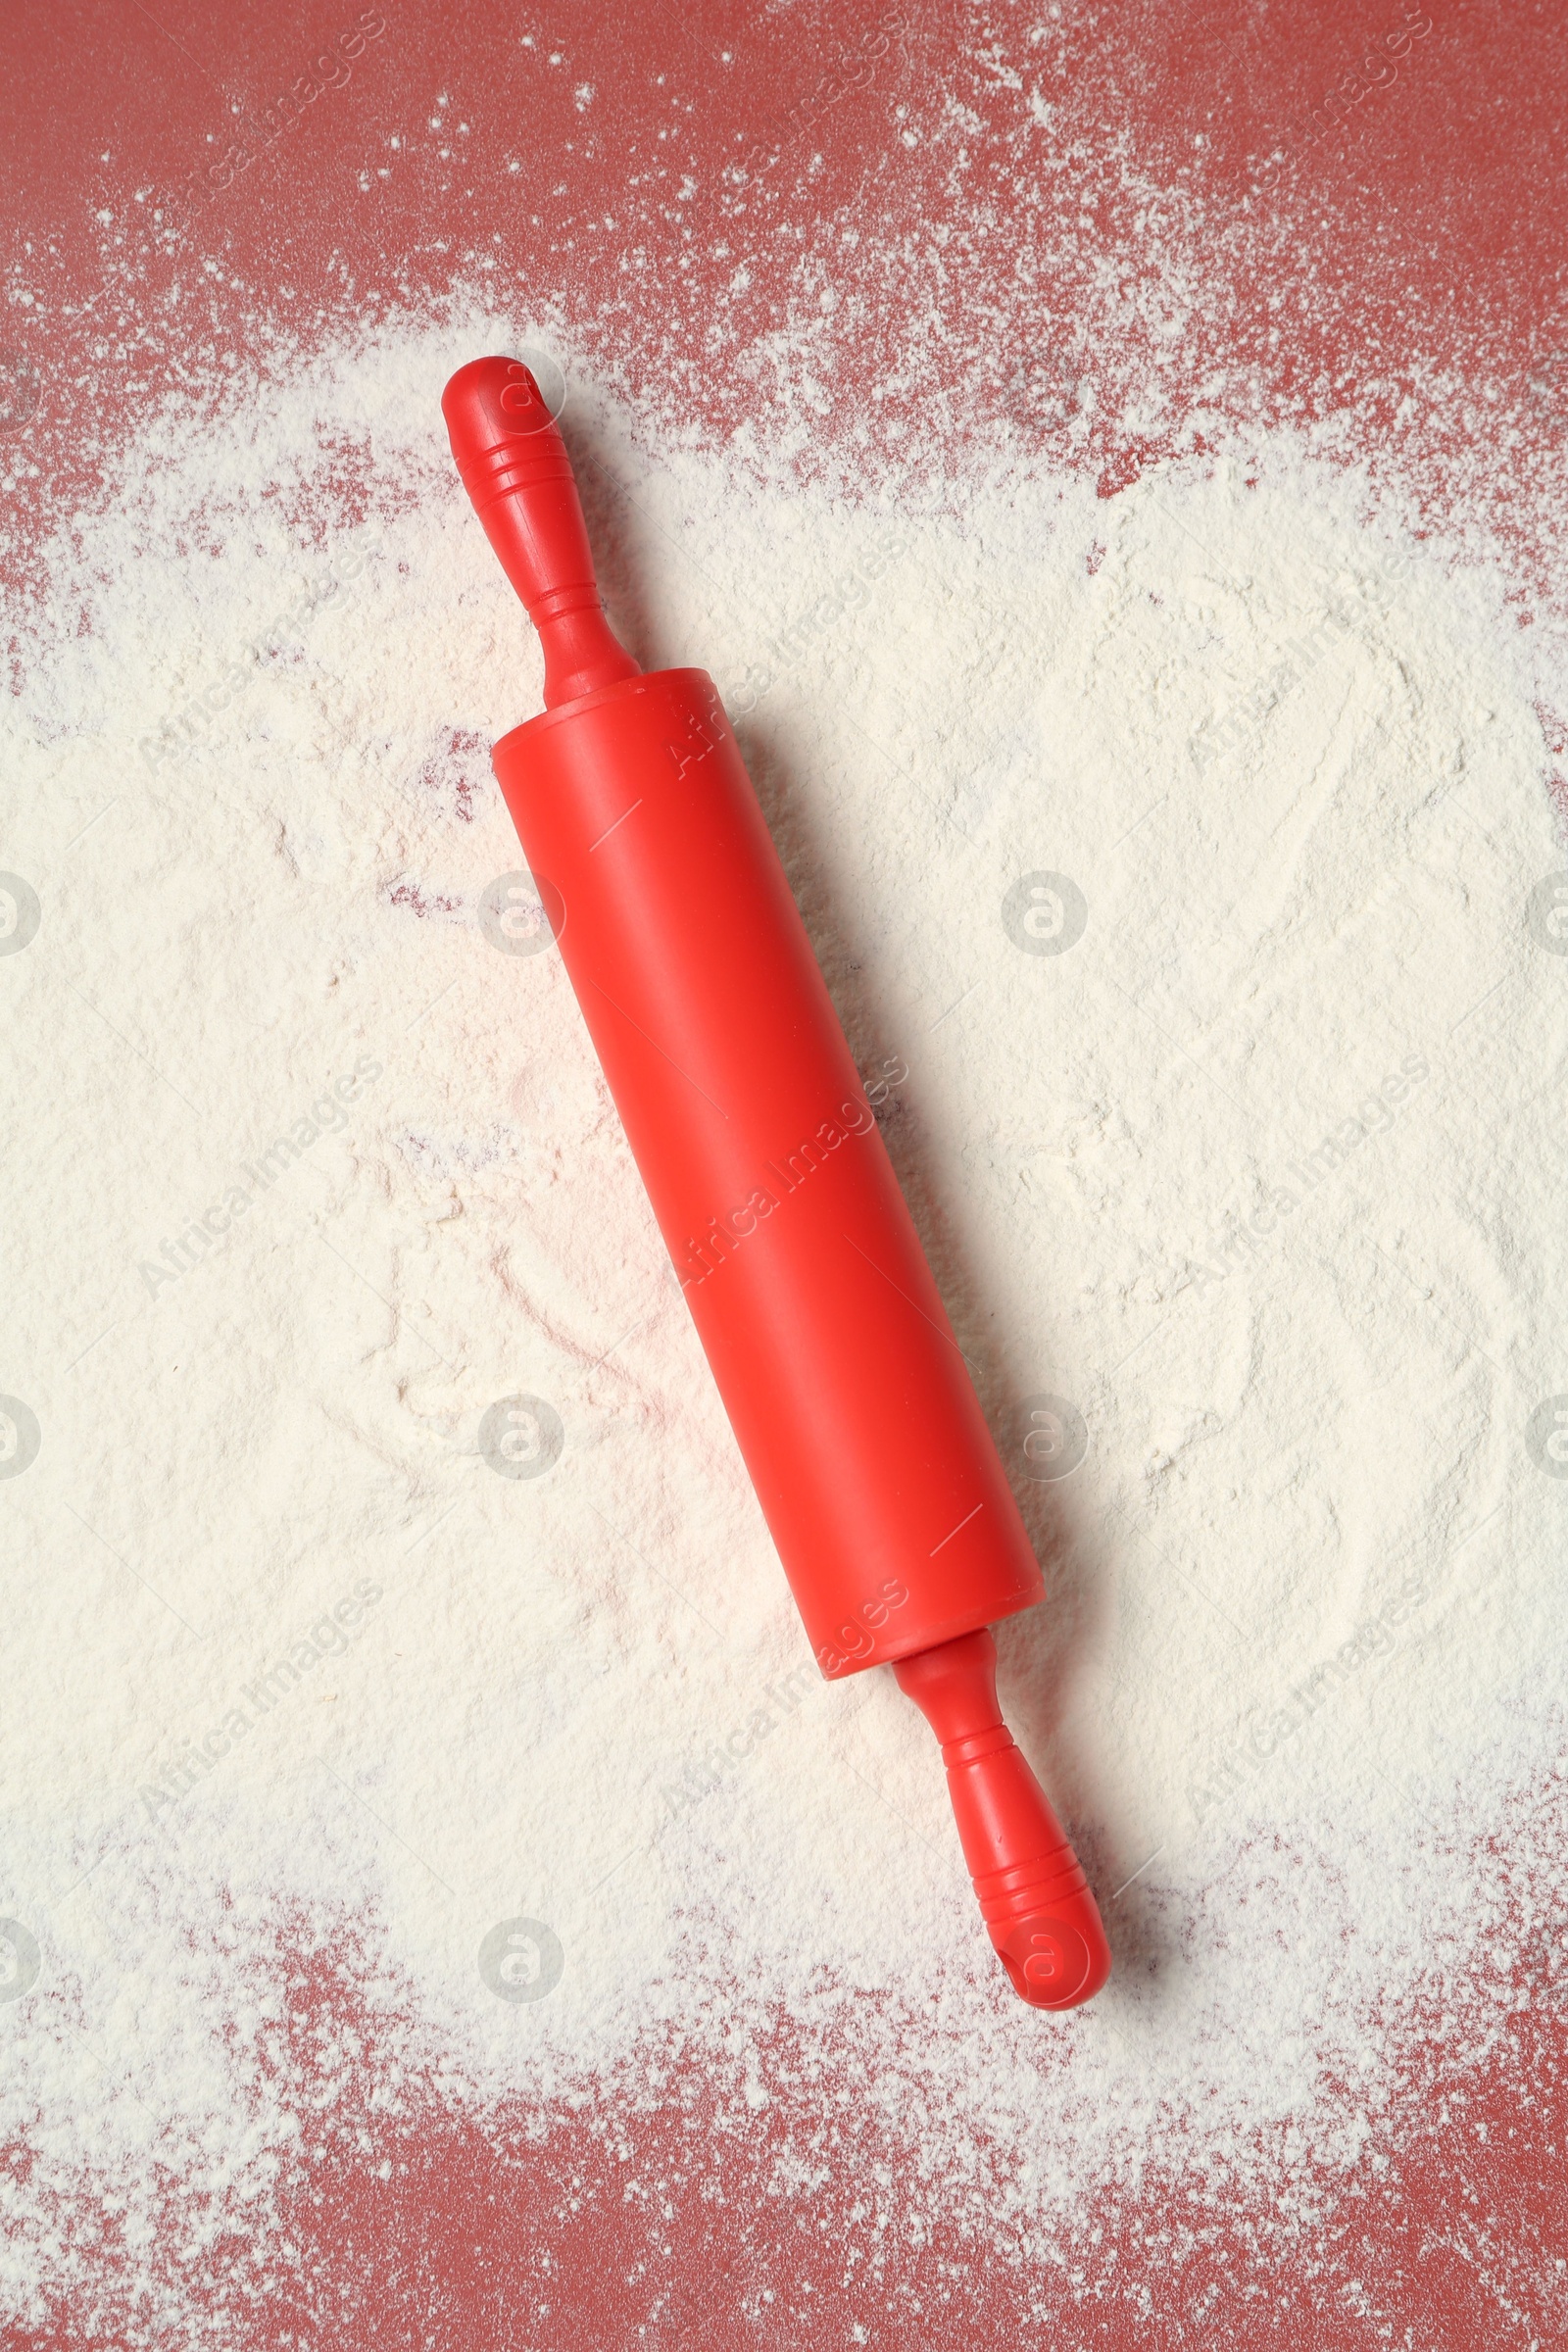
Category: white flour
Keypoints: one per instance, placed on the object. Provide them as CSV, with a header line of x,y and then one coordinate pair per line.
x,y
1262,1177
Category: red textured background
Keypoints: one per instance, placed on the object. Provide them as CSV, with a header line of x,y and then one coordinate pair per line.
x,y
959,213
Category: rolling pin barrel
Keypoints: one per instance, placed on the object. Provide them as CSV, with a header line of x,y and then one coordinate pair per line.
x,y
758,1145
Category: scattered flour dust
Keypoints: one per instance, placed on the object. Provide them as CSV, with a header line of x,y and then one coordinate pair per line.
x,y
1260,1177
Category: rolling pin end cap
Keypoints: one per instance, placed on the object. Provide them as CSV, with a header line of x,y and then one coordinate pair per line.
x,y
1032,1891
1058,1959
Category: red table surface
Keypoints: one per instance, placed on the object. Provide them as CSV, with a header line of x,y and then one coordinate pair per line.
x,y
1402,270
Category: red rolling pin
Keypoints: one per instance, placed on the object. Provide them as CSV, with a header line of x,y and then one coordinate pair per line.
x,y
801,1265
